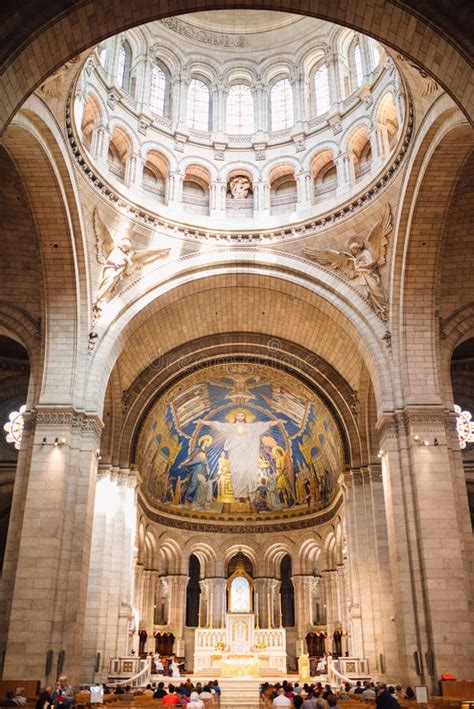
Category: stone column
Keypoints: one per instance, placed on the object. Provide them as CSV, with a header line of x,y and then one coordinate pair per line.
x,y
221,100
379,143
277,617
365,57
302,585
261,611
134,171
334,83
109,610
177,609
329,581
261,198
428,544
345,173
175,189
47,610
218,590
303,187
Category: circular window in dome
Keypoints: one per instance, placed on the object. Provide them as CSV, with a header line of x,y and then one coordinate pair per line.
x,y
239,439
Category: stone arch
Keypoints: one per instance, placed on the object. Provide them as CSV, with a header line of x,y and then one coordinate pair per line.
x,y
119,151
309,555
323,170
170,555
91,117
443,150
35,35
354,319
234,548
35,140
274,553
205,553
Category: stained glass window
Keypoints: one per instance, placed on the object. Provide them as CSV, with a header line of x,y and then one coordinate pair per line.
x,y
465,426
14,427
240,116
158,91
358,66
281,105
321,90
198,105
124,63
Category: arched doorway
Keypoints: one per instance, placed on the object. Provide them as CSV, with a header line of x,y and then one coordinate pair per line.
x,y
193,592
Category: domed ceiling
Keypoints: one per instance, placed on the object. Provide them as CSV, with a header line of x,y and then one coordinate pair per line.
x,y
237,442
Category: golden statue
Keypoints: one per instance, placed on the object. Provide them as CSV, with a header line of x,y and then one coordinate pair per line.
x,y
225,493
303,668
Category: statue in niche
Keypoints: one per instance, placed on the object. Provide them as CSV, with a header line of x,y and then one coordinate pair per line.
x,y
362,260
239,187
118,259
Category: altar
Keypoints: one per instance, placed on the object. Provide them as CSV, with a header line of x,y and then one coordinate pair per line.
x,y
239,648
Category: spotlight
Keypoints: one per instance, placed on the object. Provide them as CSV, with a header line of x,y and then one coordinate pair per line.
x,y
380,453
56,441
44,441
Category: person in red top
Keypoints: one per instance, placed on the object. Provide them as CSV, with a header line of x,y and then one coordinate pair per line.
x,y
171,697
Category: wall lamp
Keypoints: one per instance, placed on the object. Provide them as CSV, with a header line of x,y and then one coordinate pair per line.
x,y
380,453
421,441
57,441
426,441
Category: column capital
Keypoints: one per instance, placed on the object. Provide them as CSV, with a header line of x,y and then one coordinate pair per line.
x,y
415,421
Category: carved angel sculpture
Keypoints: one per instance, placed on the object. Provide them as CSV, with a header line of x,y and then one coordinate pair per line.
x,y
118,259
362,260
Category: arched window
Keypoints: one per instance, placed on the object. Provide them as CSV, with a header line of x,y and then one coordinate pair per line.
x,y
287,593
358,66
198,105
124,64
193,592
158,91
239,114
321,90
281,105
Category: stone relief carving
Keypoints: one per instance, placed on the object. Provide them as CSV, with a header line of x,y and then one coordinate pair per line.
x,y
239,187
119,260
362,260
217,39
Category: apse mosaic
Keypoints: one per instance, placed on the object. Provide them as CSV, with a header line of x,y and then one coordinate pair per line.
x,y
239,438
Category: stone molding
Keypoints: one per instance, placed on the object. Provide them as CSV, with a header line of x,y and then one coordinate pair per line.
x,y
414,420
219,525
70,417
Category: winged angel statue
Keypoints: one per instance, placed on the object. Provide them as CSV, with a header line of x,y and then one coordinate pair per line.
x,y
362,261
118,259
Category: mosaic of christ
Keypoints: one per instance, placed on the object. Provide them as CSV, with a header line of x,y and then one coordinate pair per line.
x,y
240,437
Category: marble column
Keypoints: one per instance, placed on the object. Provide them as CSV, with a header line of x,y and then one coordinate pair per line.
x,y
49,579
109,612
429,544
